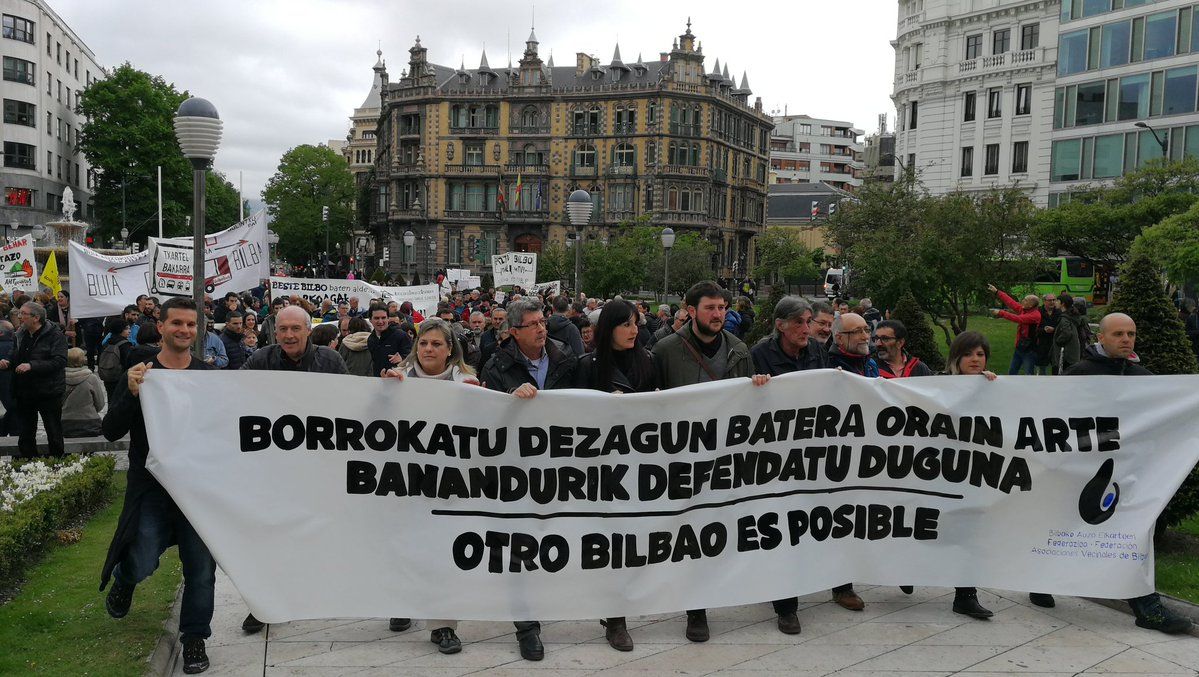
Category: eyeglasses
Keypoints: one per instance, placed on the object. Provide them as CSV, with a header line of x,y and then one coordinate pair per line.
x,y
885,339
536,323
860,331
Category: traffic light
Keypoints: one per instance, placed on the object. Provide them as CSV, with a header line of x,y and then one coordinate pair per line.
x,y
89,240
324,213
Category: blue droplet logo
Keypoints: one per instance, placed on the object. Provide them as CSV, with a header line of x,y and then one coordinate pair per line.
x,y
1100,495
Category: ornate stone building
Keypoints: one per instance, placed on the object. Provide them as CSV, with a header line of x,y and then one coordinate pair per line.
x,y
477,162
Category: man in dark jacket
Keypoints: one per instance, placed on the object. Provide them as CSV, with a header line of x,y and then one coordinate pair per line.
x,y
8,342
232,336
150,521
822,324
292,351
1114,355
39,367
562,330
491,335
700,352
851,349
388,344
523,365
891,337
1051,313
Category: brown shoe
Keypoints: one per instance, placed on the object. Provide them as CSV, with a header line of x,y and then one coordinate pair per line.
x,y
789,623
618,634
849,599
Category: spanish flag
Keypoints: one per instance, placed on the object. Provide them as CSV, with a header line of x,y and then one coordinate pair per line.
x,y
49,276
518,185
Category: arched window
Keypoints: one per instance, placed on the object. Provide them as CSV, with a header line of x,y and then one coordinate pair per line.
x,y
624,156
585,156
672,199
529,156
529,117
697,200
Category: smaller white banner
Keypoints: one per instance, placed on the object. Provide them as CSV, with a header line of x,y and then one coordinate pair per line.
x,y
315,290
547,288
170,268
18,269
424,297
456,274
472,282
515,268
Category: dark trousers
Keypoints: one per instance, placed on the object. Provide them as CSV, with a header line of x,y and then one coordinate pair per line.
x,y
91,343
1023,360
160,523
50,409
790,605
526,628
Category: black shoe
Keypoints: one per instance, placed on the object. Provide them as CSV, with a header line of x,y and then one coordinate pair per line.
x,y
399,624
1042,599
531,648
789,623
195,659
967,603
617,634
252,625
1153,615
907,589
445,639
119,599
697,626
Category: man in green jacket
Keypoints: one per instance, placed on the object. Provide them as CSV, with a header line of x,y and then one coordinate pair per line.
x,y
699,352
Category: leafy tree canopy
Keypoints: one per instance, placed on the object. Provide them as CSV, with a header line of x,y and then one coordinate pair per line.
x,y
308,179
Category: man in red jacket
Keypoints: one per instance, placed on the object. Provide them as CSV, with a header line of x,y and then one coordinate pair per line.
x,y
1027,316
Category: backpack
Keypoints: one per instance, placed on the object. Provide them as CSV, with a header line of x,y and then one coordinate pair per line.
x,y
110,367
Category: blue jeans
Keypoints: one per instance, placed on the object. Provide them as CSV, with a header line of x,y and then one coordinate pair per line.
x,y
160,524
1025,360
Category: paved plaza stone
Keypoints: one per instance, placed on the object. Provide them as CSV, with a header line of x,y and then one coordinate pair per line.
x,y
899,635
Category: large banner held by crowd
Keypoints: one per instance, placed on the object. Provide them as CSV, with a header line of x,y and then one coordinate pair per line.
x,y
514,268
235,259
18,268
424,297
432,499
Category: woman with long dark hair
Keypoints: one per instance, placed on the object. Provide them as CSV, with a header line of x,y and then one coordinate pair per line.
x,y
618,365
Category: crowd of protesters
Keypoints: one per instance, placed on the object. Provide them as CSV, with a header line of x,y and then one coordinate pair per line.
x,y
521,344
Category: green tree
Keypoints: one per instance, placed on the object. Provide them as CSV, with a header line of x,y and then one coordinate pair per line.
x,y
633,260
920,342
764,321
130,132
1163,348
782,256
308,179
555,262
1101,223
1175,243
944,250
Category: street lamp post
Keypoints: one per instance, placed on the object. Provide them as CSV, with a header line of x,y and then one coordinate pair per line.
x,y
667,243
578,210
125,237
409,240
1160,141
198,129
325,219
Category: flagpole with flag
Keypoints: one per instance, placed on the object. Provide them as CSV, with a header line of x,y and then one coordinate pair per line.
x,y
49,276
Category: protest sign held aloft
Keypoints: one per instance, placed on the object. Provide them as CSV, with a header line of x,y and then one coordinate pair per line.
x,y
514,268
18,268
711,495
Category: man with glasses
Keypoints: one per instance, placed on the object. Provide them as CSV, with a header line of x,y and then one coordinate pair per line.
x,y
39,366
522,366
822,324
890,339
851,351
1051,312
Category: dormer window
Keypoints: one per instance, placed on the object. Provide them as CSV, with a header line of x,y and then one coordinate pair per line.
x,y
463,78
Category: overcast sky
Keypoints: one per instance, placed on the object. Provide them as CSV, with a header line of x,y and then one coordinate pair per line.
x,y
288,72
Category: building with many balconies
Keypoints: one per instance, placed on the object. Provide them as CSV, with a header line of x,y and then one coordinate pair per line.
x,y
804,149
480,161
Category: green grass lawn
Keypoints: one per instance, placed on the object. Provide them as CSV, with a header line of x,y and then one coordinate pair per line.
x,y
56,624
1178,562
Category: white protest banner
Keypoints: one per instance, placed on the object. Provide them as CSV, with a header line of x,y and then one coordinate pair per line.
x,y
514,268
234,260
456,274
315,290
18,268
170,267
580,505
472,282
424,297
547,288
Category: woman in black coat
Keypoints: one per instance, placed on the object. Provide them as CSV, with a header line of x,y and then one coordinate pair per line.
x,y
618,365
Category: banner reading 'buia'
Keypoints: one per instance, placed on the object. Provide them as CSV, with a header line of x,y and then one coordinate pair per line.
x,y
326,496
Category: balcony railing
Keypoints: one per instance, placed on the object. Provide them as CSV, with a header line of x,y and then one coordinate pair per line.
x,y
583,171
619,215
528,215
1023,57
686,170
719,175
695,218
407,169
621,170
473,170
527,170
472,214
585,129
624,128
529,129
685,129
474,131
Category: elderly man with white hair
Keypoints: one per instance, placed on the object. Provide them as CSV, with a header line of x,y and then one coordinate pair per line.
x,y
39,365
1027,316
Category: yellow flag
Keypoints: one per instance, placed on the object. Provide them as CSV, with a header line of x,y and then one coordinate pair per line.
x,y
49,276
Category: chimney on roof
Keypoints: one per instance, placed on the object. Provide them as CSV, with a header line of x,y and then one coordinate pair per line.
x,y
758,104
583,63
663,56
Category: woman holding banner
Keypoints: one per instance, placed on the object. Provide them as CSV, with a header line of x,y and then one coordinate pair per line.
x,y
437,356
618,365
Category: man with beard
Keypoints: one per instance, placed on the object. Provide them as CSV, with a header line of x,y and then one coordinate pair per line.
x,y
852,349
698,353
389,344
891,337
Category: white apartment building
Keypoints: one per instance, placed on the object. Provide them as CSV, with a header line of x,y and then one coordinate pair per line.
x,y
1122,63
46,68
804,149
974,87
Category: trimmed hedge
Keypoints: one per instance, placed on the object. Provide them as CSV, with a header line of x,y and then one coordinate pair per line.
x,y
34,523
